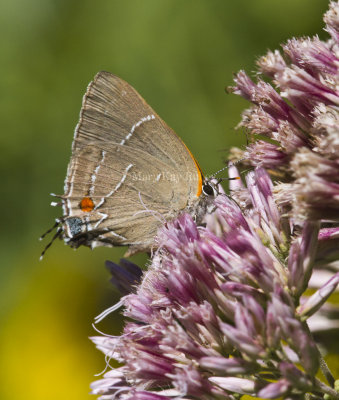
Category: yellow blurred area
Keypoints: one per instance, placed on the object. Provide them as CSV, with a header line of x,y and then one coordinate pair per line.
x,y
41,356
45,350
179,55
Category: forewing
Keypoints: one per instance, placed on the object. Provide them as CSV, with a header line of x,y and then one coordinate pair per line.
x,y
114,112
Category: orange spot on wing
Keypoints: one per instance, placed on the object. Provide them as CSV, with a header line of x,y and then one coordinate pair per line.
x,y
86,204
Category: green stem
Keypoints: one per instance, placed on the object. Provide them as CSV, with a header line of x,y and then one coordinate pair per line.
x,y
326,371
323,366
326,389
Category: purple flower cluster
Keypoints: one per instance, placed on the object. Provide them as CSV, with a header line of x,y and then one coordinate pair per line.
x,y
222,311
218,311
300,117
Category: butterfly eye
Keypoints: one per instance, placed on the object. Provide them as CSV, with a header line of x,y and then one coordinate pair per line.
x,y
208,190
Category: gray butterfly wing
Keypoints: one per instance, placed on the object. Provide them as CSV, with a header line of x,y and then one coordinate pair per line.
x,y
113,111
128,173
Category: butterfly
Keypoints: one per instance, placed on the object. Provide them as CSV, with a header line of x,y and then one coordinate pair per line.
x,y
128,173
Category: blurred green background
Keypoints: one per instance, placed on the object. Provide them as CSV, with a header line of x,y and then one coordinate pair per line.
x,y
179,54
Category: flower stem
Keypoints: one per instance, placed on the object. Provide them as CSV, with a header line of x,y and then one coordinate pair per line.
x,y
323,366
326,389
326,371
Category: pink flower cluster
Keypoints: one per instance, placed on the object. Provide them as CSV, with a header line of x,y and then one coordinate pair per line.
x,y
222,311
